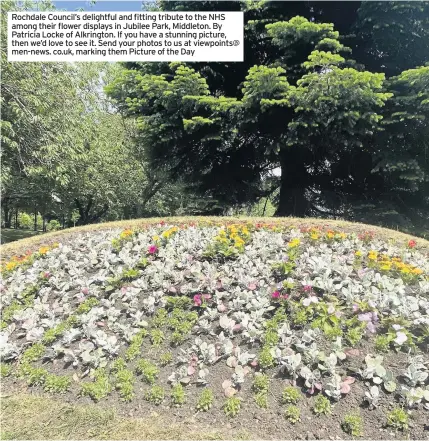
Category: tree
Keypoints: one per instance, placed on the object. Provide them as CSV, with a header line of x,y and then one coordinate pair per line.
x,y
299,101
283,115
391,36
403,159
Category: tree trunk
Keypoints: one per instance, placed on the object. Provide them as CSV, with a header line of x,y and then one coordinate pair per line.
x,y
84,212
293,183
35,220
6,209
16,219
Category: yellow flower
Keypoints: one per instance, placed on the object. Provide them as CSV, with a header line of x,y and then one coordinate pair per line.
x,y
43,250
294,243
125,234
11,265
372,255
314,236
343,235
417,271
155,238
358,253
330,235
385,267
239,242
405,270
245,231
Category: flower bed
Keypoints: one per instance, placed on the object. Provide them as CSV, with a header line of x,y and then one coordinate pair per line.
x,y
230,321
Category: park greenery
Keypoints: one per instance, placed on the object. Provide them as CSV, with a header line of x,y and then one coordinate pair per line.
x,y
334,95
291,325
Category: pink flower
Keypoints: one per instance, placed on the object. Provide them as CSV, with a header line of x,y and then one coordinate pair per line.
x,y
152,249
46,275
284,297
355,307
412,243
198,300
85,291
221,307
275,295
307,288
207,296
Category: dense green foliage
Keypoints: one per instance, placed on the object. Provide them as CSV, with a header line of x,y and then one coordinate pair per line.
x,y
67,154
326,94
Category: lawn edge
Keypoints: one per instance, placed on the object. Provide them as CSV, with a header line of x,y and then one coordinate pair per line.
x,y
33,416
34,242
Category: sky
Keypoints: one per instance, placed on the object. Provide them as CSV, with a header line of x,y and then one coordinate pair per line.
x,y
100,5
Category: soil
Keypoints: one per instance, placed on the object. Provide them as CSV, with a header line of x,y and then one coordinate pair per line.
x,y
260,423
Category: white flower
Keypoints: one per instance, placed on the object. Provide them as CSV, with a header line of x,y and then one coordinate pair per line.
x,y
400,338
396,327
309,300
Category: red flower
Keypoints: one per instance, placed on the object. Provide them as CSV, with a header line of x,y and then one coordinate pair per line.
x,y
412,243
152,249
162,223
275,295
198,300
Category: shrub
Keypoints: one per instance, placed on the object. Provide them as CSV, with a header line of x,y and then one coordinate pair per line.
x,y
53,225
57,384
155,395
178,395
148,371
99,389
25,221
205,401
292,414
261,399
352,425
291,395
260,383
232,406
322,405
398,419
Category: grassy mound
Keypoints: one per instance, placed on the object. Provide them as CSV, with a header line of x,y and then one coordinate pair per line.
x,y
235,322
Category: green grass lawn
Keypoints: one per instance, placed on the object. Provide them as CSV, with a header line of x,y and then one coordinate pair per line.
x,y
25,416
10,234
